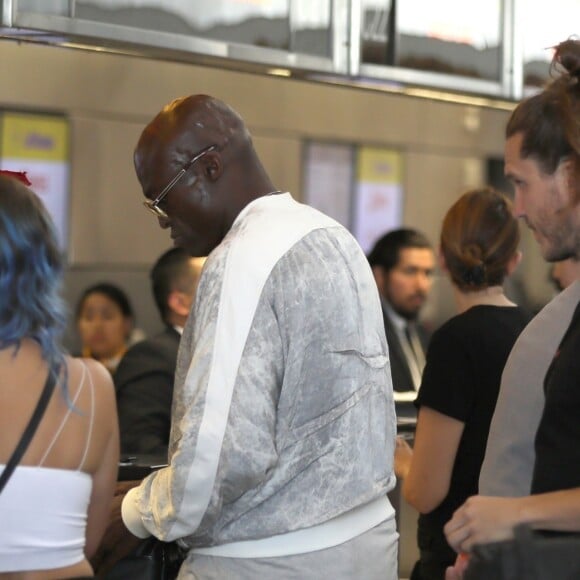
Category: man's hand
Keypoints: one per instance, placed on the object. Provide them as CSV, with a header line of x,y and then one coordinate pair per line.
x,y
117,541
481,520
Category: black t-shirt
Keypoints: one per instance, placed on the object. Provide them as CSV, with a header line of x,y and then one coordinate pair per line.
x,y
461,379
557,441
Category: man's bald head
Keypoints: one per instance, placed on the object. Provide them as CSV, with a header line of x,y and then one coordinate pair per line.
x,y
210,192
189,124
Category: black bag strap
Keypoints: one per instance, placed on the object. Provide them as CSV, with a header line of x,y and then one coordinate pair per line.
x,y
30,428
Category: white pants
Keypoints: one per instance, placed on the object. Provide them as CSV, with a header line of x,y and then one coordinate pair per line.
x,y
370,556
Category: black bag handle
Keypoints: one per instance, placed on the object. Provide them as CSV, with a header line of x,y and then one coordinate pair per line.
x,y
30,428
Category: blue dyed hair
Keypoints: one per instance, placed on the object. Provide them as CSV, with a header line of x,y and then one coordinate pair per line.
x,y
31,270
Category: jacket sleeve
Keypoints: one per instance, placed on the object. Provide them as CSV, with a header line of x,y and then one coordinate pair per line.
x,y
214,424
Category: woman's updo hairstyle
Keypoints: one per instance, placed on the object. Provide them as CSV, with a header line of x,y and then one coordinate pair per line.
x,y
550,120
478,239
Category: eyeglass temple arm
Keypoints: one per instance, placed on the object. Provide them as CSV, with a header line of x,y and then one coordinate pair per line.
x,y
181,173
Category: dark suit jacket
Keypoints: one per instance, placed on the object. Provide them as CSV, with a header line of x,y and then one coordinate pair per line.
x,y
400,372
144,385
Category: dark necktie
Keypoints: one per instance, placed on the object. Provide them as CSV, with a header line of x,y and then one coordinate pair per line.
x,y
415,350
410,341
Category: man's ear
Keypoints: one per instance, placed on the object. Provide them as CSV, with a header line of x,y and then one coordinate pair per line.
x,y
179,302
128,325
566,172
212,165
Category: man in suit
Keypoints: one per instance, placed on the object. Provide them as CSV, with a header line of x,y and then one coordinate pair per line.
x,y
403,262
144,378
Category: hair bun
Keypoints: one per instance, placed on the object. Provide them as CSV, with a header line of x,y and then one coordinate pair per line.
x,y
475,275
567,55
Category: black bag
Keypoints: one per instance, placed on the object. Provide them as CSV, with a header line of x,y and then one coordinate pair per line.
x,y
151,560
531,555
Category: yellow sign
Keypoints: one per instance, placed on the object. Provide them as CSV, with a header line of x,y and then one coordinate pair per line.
x,y
379,165
38,137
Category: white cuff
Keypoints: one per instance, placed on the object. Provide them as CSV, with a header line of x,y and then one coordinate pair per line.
x,y
131,516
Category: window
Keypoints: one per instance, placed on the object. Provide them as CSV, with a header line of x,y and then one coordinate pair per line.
x,y
290,25
543,30
458,38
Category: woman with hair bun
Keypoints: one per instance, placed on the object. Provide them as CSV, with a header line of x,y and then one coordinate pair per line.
x,y
460,385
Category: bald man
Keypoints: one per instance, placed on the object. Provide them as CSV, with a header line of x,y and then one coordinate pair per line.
x,y
145,375
283,418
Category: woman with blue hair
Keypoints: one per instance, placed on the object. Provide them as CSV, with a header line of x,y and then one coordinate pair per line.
x,y
54,507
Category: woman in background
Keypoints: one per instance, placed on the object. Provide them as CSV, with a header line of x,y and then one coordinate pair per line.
x,y
105,322
460,385
55,506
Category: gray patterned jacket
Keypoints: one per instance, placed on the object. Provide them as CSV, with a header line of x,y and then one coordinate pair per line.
x,y
283,413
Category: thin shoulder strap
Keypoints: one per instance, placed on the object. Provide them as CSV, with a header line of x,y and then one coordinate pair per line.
x,y
92,419
65,418
31,427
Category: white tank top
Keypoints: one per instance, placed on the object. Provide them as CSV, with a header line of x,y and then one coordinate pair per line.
x,y
43,510
44,515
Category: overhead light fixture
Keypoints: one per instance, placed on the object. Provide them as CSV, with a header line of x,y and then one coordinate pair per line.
x,y
399,88
463,99
279,72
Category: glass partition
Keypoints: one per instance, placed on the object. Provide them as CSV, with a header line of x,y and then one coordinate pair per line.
x,y
312,28
284,35
464,47
255,23
455,38
290,25
58,7
542,31
378,36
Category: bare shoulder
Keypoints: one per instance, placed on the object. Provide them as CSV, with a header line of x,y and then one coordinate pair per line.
x,y
97,373
98,415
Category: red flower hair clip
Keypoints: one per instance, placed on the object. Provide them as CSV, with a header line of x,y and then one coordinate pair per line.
x,y
19,175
